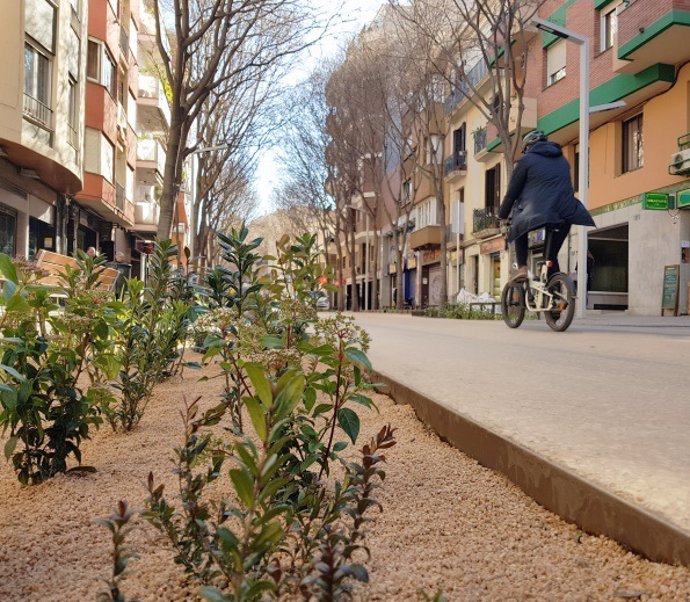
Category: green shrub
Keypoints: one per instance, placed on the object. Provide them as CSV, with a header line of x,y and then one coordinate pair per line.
x,y
54,364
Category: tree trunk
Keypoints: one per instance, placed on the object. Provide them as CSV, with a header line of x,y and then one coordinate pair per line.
x,y
352,251
444,250
400,293
375,269
170,184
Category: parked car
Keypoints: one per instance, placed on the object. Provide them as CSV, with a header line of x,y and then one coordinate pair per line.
x,y
323,303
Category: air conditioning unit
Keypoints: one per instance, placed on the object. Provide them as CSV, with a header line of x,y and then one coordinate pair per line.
x,y
680,163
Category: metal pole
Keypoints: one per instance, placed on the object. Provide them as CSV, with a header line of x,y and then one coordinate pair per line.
x,y
583,184
457,246
366,267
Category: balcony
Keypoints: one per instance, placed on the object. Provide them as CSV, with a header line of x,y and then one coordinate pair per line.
x,y
473,79
528,123
429,236
485,222
646,37
456,164
146,214
150,156
154,111
38,111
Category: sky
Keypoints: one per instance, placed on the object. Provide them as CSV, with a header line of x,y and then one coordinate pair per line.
x,y
355,14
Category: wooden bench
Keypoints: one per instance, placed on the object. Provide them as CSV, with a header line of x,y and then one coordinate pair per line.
x,y
55,264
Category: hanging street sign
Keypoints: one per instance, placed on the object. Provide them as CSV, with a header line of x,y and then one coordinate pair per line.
x,y
657,201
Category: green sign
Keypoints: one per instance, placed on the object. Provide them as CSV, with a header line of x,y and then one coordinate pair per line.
x,y
658,201
669,299
683,199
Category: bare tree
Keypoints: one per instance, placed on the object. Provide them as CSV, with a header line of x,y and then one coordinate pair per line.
x,y
217,44
478,43
303,160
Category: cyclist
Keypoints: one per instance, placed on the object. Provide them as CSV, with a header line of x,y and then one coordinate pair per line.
x,y
539,195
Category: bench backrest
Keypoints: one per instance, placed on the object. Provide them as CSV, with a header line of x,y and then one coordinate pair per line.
x,y
55,263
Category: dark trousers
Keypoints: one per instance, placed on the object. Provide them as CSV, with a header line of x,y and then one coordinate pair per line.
x,y
553,243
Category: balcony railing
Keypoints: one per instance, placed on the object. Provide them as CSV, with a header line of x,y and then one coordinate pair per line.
x,y
150,87
120,197
456,162
464,89
37,110
479,140
483,219
146,213
149,149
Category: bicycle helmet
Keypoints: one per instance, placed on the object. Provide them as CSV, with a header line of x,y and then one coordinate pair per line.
x,y
532,138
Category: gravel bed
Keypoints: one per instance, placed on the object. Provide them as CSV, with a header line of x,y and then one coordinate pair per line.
x,y
448,524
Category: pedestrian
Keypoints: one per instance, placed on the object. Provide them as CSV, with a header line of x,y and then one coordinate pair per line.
x,y
124,269
91,252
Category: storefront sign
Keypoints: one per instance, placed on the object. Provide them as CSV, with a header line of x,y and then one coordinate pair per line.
x,y
656,201
669,299
392,268
431,256
411,263
683,199
492,246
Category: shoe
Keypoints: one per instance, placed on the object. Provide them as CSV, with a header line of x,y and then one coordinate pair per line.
x,y
520,274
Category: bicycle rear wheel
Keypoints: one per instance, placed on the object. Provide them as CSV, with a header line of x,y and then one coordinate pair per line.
x,y
513,304
561,287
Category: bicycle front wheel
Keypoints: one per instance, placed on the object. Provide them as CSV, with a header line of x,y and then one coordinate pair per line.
x,y
563,312
513,304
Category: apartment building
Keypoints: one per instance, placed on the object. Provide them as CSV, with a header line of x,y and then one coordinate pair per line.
x,y
153,121
104,208
639,53
43,57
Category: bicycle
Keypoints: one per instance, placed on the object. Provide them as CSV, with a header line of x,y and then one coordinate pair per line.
x,y
553,297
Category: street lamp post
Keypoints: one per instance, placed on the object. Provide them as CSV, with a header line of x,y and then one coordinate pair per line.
x,y
583,183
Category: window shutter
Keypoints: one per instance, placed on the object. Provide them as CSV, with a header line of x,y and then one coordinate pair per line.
x,y
555,57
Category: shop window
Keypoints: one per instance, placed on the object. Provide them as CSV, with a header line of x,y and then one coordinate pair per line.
x,y
555,62
633,144
8,230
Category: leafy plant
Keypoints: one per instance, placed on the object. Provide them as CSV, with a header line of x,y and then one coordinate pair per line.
x,y
45,351
153,323
118,525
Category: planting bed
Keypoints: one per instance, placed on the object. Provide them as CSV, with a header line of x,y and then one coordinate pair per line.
x,y
448,524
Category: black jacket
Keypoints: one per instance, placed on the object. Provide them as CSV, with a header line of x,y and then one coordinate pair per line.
x,y
540,192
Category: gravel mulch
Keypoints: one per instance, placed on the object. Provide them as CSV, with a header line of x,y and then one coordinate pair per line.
x,y
448,524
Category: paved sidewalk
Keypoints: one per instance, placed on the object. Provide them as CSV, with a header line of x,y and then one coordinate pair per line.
x,y
608,400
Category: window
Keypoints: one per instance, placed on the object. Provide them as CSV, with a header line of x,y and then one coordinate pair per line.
x,y
99,154
93,61
608,26
73,113
100,67
434,149
555,62
426,214
109,79
460,140
407,191
492,189
39,22
36,85
633,144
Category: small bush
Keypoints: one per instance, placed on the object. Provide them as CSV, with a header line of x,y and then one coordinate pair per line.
x,y
460,312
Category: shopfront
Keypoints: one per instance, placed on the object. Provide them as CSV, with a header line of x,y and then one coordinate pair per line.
x,y
491,252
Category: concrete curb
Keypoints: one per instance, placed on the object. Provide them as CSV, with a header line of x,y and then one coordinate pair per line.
x,y
559,490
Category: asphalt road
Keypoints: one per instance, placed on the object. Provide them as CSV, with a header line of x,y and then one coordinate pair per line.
x,y
609,399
